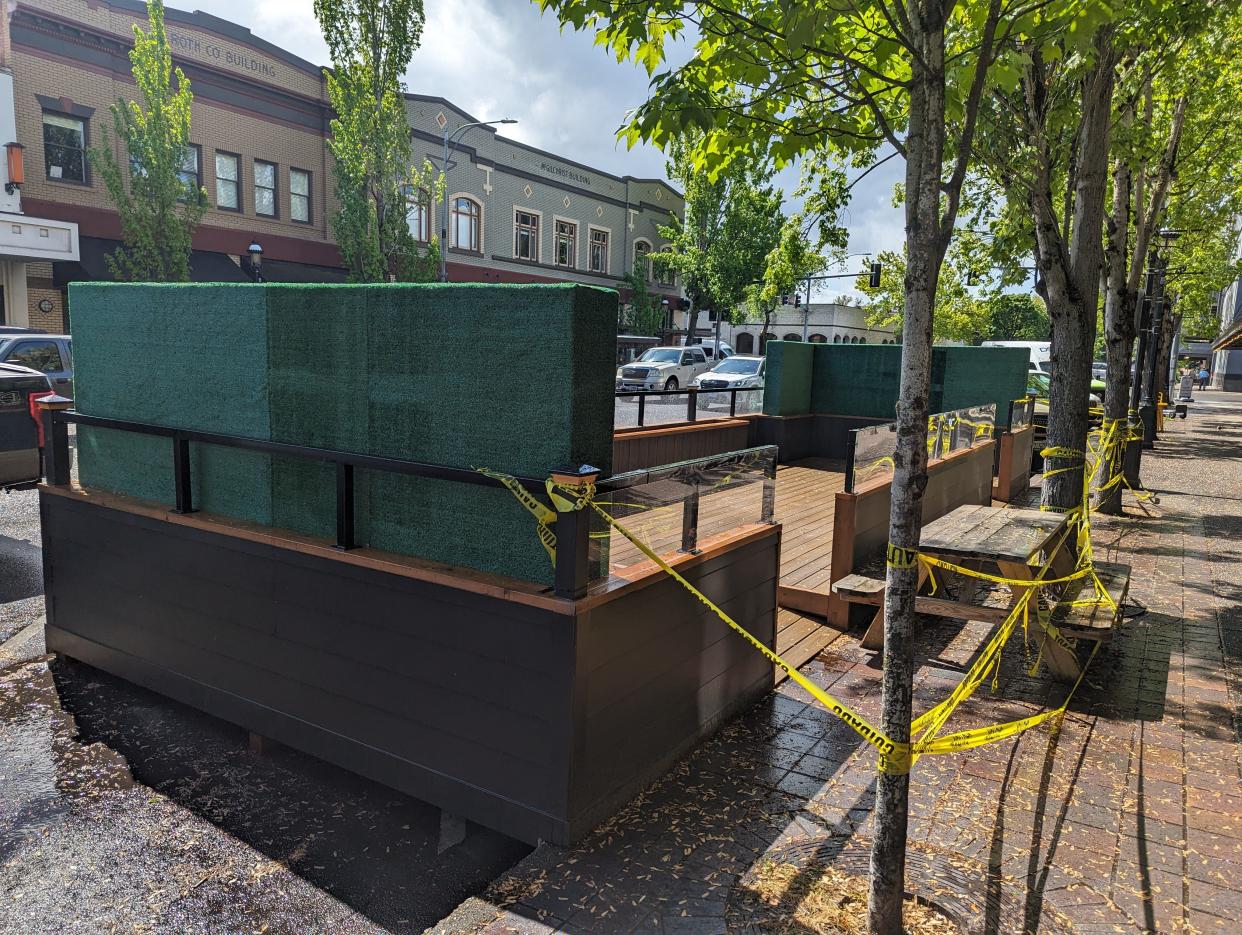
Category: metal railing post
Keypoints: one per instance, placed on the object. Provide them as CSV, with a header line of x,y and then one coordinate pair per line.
x,y
690,521
692,401
57,469
181,475
573,539
851,445
344,506
642,407
767,510
732,403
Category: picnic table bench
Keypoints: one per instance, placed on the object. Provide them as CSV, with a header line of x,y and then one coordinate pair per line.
x,y
1014,543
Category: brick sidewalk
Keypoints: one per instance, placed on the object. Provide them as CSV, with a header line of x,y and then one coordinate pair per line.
x,y
1129,819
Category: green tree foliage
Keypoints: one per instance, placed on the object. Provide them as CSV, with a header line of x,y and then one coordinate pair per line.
x,y
731,222
772,80
158,204
643,314
1014,316
371,42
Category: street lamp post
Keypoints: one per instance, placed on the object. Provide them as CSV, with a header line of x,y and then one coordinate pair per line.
x,y
450,141
1151,362
256,259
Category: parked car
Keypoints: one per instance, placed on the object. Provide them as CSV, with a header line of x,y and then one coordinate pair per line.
x,y
662,368
715,353
1099,370
19,428
14,329
51,354
737,372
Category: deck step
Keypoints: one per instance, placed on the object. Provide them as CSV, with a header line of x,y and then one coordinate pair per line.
x,y
860,587
1095,621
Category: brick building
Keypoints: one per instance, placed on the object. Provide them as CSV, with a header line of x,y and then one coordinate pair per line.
x,y
519,214
258,128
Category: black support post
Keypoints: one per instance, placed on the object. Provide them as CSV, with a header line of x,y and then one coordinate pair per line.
x,y
344,506
690,521
181,475
642,407
56,467
573,542
692,405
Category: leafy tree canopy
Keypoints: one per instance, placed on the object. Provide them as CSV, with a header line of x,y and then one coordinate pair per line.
x,y
158,199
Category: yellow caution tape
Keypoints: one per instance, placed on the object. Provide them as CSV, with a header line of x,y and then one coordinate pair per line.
x,y
899,557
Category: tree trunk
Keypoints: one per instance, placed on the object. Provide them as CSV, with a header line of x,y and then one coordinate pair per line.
x,y
1119,327
692,322
925,247
1073,277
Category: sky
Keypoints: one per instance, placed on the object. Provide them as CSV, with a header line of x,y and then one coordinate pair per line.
x,y
503,58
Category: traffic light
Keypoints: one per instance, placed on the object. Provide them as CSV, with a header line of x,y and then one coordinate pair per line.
x,y
784,300
875,275
797,300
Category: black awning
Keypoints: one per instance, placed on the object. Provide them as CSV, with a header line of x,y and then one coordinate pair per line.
x,y
287,271
92,265
206,266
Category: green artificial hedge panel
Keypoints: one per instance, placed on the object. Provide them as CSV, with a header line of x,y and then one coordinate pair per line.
x,y
856,380
787,379
186,355
973,376
515,378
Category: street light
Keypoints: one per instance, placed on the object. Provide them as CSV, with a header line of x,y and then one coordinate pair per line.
x,y
450,141
256,259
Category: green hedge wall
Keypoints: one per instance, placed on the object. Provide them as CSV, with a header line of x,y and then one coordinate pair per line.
x,y
515,378
863,379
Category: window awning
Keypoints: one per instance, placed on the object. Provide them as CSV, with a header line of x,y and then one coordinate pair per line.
x,y
1231,340
286,271
92,265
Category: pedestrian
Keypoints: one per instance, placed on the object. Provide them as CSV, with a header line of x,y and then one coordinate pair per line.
x,y
1203,378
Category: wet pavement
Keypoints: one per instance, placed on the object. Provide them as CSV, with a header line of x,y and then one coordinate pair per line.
x,y
121,810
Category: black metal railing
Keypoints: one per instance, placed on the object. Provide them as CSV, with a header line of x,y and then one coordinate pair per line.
x,y
692,394
572,575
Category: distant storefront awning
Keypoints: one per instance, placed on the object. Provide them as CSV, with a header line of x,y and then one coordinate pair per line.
x,y
92,265
285,271
1231,340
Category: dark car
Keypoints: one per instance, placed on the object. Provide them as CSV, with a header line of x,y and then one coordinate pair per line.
x,y
19,430
51,354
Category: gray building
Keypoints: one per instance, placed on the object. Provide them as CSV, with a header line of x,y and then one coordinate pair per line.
x,y
821,323
519,214
1226,366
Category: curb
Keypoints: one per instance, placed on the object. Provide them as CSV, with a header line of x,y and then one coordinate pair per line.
x,y
25,645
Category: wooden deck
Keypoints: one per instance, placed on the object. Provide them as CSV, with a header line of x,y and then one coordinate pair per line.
x,y
805,500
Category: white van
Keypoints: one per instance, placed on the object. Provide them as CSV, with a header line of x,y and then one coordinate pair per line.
x,y
1040,351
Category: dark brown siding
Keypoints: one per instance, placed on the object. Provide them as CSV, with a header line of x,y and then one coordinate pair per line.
x,y
538,721
658,671
645,448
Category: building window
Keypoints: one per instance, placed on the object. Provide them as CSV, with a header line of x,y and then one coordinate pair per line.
x,y
566,243
228,191
466,221
300,196
818,339
420,217
526,236
792,337
745,343
190,172
64,147
265,188
642,262
599,251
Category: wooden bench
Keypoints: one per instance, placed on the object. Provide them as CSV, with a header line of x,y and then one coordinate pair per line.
x,y
868,590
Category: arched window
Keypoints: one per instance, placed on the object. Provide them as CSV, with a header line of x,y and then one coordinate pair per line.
x,y
662,272
863,339
836,339
764,339
792,337
466,223
745,343
642,263
818,339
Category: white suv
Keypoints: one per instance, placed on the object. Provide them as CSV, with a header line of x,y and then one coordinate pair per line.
x,y
662,368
